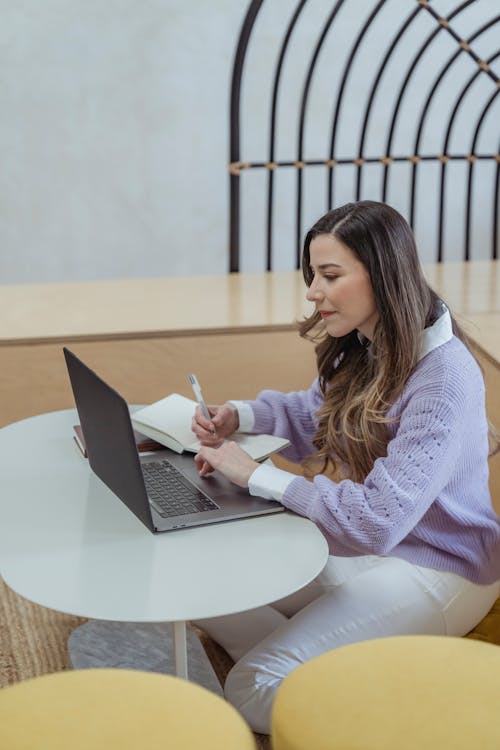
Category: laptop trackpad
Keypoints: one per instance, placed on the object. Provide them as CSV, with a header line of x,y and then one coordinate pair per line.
x,y
215,485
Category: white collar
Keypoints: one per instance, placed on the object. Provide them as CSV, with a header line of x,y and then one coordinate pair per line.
x,y
437,334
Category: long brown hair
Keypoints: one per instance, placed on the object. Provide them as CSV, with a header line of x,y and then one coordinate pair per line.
x,y
360,382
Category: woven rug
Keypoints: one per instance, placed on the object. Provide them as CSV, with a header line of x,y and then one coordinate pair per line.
x,y
33,642
32,638
148,646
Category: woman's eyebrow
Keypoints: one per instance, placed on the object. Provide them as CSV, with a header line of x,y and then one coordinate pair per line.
x,y
329,265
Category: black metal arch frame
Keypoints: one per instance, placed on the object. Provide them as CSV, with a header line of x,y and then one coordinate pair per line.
x,y
237,166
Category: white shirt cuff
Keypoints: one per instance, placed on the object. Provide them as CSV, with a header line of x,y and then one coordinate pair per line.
x,y
245,413
269,482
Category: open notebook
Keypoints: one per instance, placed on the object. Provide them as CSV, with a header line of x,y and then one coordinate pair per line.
x,y
168,421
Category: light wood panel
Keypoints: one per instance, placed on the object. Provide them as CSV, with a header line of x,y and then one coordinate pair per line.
x,y
145,307
492,380
228,303
469,288
33,378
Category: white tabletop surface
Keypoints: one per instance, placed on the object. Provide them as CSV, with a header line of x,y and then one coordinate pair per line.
x,y
68,543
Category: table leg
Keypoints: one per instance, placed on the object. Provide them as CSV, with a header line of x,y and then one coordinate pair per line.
x,y
180,649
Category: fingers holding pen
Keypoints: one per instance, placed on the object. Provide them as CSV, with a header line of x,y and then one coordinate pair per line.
x,y
223,422
204,428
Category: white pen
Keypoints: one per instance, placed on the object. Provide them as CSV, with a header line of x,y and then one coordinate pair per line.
x,y
197,392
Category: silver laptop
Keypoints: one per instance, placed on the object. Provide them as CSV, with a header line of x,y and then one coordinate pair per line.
x,y
163,489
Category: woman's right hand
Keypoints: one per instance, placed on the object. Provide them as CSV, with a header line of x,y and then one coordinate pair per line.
x,y
224,422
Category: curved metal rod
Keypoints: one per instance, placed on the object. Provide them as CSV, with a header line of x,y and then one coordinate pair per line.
x,y
458,39
437,81
420,128
234,133
371,96
347,69
402,89
303,104
496,201
277,77
471,168
445,153
459,101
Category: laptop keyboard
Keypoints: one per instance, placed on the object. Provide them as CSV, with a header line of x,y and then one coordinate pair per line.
x,y
171,493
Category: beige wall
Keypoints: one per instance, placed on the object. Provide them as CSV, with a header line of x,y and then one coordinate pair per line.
x,y
114,131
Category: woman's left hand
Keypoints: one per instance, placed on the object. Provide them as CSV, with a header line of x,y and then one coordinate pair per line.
x,y
229,459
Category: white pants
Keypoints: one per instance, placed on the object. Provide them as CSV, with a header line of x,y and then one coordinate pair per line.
x,y
353,599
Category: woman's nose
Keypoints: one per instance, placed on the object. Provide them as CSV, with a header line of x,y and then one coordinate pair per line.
x,y
314,292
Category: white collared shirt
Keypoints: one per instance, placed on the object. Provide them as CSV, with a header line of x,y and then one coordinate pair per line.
x,y
437,334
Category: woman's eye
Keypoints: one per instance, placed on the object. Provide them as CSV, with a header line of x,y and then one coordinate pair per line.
x,y
330,277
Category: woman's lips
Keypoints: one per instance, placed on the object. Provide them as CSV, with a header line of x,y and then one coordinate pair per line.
x,y
326,313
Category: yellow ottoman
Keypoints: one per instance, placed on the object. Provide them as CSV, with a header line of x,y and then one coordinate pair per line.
x,y
96,709
410,692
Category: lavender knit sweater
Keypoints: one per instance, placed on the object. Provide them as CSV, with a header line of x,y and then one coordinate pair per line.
x,y
427,501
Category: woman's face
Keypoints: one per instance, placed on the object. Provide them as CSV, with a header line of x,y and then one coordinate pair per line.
x,y
341,288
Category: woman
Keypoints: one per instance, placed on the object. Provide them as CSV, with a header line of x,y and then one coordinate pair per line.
x,y
395,440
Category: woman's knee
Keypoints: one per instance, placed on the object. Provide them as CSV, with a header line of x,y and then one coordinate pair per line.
x,y
251,689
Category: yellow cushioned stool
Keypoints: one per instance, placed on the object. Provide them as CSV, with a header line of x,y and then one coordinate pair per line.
x,y
96,709
410,692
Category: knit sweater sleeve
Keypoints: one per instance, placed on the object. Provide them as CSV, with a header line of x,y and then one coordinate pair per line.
x,y
373,517
289,415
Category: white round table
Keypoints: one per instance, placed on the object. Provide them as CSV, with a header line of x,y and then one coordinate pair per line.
x,y
68,543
